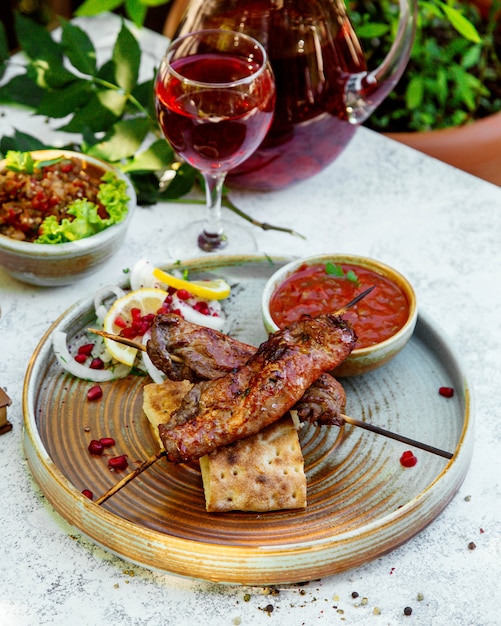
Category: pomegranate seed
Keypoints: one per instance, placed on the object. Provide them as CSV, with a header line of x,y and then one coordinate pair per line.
x,y
136,314
107,442
86,349
97,364
177,312
202,307
171,290
128,333
182,294
88,493
408,459
120,322
96,447
118,462
447,392
94,393
80,358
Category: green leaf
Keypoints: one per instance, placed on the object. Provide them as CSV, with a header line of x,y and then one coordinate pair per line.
x,y
461,23
414,92
351,276
154,3
98,114
136,10
36,41
123,140
333,269
94,7
21,90
472,57
144,95
66,100
442,87
155,158
50,74
4,50
78,48
19,161
21,142
107,71
182,183
372,31
146,186
113,100
127,57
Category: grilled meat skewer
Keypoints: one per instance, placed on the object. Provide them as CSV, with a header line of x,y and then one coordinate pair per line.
x,y
241,403
186,351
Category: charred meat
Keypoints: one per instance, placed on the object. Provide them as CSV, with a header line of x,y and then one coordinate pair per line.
x,y
241,403
202,353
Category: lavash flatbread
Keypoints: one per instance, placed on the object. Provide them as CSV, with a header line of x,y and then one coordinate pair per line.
x,y
262,473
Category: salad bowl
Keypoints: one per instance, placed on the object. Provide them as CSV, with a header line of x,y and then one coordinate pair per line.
x,y
54,264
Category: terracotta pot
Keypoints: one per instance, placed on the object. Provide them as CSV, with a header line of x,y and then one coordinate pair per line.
x,y
475,148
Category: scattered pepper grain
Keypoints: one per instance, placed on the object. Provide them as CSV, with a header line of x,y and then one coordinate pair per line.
x,y
408,610
376,610
420,597
472,545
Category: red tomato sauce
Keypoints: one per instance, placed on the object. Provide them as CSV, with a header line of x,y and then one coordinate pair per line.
x,y
312,291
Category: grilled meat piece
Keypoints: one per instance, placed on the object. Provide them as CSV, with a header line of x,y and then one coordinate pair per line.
x,y
205,353
323,403
241,403
208,354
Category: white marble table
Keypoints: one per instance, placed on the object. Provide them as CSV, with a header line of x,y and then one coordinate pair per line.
x,y
440,227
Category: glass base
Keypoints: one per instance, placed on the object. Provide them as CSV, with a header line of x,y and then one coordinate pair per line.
x,y
192,241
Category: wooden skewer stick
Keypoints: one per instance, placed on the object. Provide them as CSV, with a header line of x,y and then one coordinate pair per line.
x,y
126,479
387,433
355,300
128,342
349,420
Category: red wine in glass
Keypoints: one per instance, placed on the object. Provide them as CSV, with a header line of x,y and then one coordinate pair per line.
x,y
215,96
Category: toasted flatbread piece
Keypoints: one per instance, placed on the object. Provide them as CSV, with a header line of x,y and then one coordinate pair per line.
x,y
262,473
161,400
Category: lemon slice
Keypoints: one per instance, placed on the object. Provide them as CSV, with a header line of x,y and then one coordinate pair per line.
x,y
217,289
147,300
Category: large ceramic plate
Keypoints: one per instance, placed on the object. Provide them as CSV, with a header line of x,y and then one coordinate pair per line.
x,y
361,501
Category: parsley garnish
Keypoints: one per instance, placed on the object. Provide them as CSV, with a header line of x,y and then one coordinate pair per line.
x,y
336,270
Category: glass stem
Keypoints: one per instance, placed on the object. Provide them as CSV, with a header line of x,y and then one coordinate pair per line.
x,y
213,237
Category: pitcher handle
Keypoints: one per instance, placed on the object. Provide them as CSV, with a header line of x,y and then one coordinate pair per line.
x,y
366,90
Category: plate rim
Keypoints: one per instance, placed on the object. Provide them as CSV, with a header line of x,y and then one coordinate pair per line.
x,y
243,564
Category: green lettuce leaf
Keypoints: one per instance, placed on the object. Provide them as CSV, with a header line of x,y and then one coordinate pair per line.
x,y
86,219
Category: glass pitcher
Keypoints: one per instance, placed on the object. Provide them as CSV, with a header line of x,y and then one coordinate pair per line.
x,y
324,89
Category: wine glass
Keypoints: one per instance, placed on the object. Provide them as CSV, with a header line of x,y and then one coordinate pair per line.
x,y
215,97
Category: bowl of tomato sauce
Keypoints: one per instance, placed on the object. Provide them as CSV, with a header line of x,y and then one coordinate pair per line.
x,y
383,320
62,215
